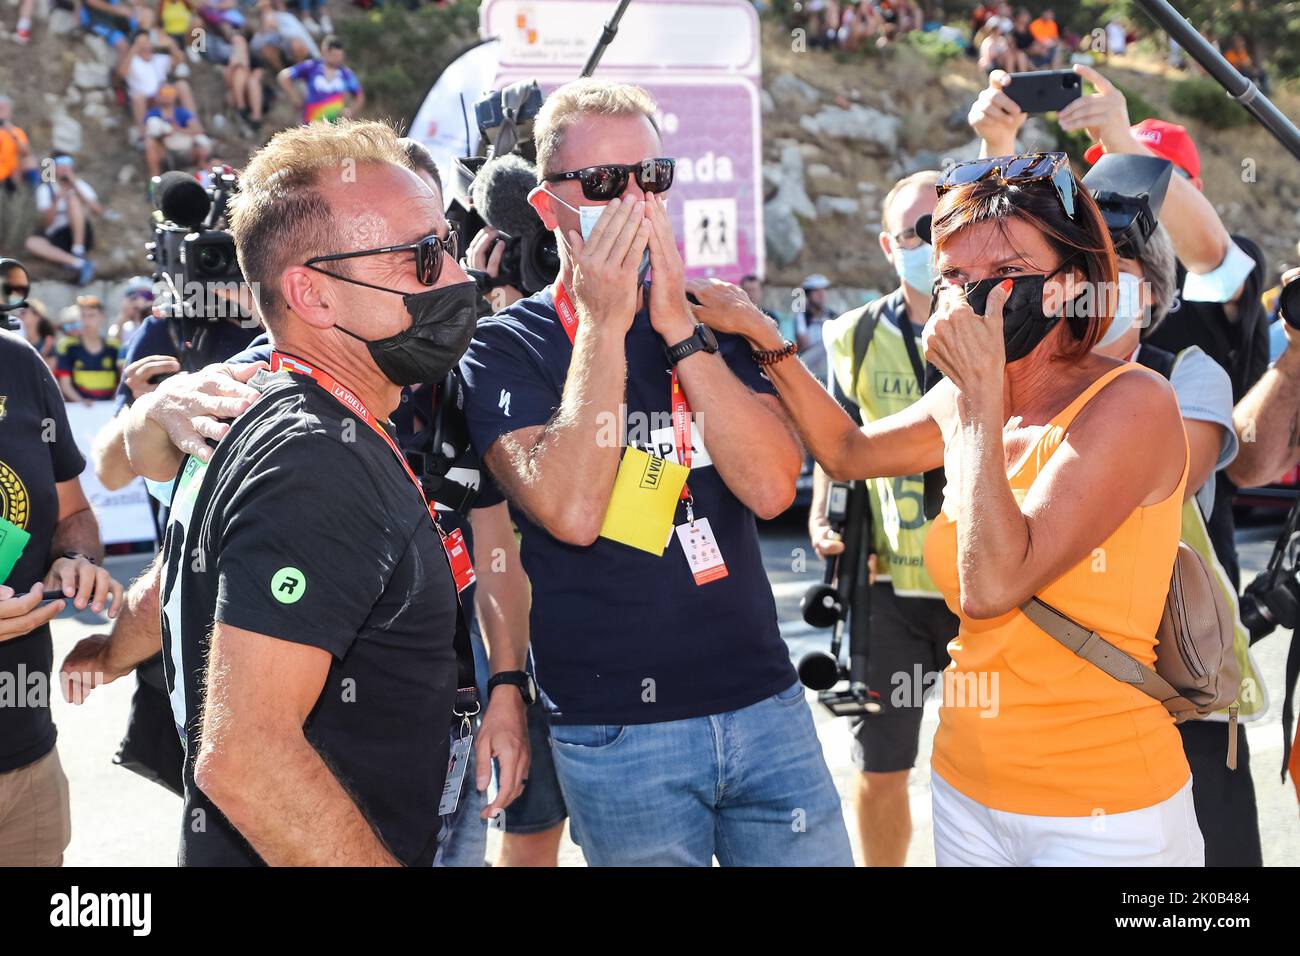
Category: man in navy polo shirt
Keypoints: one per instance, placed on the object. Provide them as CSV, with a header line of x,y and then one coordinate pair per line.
x,y
680,732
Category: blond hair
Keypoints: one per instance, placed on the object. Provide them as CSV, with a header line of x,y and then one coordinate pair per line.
x,y
280,216
588,97
926,177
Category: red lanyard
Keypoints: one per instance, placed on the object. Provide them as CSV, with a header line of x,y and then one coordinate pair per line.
x,y
677,396
282,362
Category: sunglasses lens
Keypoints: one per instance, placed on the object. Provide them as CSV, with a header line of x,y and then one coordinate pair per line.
x,y
427,256
602,183
965,173
655,176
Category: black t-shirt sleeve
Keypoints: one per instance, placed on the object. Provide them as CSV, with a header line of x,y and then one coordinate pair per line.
x,y
306,548
1251,311
66,457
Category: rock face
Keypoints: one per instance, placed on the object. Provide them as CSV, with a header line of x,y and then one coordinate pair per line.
x,y
858,123
91,75
784,236
65,134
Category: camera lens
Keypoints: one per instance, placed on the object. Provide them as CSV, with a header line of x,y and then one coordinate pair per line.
x,y
1289,303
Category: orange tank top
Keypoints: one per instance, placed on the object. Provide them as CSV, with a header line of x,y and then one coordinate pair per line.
x,y
1027,726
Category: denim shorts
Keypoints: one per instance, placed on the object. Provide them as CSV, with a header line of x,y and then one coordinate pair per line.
x,y
541,806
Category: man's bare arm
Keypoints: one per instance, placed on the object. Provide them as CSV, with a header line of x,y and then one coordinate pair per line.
x,y
136,636
112,466
1267,421
256,765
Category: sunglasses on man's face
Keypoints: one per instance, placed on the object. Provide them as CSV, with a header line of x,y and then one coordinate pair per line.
x,y
1016,171
14,293
430,252
608,180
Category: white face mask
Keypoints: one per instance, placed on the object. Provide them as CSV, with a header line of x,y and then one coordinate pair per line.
x,y
1128,309
587,215
915,267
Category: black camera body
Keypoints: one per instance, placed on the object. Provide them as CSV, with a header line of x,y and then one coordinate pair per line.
x,y
197,278
1129,191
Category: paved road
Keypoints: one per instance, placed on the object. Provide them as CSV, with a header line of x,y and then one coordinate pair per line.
x,y
120,819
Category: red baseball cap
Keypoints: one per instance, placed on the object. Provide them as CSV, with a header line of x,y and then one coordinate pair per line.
x,y
1167,140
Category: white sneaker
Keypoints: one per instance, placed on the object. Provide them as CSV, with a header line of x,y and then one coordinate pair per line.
x,y
326,24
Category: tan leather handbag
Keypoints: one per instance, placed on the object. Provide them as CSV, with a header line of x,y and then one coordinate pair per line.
x,y
1196,670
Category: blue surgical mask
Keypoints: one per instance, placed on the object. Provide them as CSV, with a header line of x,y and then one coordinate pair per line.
x,y
916,267
587,218
1128,310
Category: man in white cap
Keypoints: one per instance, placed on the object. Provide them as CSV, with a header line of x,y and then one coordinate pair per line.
x,y
808,324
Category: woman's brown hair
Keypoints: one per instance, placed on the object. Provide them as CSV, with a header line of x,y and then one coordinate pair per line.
x,y
1083,241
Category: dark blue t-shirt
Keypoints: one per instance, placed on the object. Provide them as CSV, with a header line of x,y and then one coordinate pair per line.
x,y
620,636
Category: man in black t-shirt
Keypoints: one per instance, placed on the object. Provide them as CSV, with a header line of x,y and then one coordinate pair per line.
x,y
308,603
49,541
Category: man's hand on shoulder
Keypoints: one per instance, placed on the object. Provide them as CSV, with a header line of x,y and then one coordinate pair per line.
x,y
185,411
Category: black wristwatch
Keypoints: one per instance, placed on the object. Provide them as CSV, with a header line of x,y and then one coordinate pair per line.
x,y
702,340
521,679
77,555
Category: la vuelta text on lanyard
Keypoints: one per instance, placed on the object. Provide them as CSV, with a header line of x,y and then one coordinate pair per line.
x,y
462,568
681,407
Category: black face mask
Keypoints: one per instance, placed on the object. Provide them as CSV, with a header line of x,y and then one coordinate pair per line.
x,y
1024,324
442,324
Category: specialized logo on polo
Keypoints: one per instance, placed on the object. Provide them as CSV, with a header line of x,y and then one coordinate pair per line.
x,y
288,585
654,472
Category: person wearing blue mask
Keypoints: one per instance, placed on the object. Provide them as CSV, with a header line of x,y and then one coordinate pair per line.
x,y
875,368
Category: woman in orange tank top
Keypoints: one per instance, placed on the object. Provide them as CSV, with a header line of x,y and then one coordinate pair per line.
x,y
1065,475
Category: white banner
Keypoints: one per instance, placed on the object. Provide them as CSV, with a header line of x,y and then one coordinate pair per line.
x,y
123,515
441,124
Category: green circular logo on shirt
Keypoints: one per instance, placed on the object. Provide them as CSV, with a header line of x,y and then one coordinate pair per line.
x,y
288,585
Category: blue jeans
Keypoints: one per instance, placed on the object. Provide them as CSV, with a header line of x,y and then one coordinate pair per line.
x,y
750,787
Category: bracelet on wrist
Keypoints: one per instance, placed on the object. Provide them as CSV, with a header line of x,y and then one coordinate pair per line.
x,y
766,357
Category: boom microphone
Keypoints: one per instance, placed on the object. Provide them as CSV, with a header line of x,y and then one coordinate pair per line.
x,y
500,194
182,200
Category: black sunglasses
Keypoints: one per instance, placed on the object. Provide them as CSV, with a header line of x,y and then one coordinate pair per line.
x,y
1016,171
608,180
15,292
430,253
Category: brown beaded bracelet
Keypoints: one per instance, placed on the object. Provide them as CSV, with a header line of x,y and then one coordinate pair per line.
x,y
766,357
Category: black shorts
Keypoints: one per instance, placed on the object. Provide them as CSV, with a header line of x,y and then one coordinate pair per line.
x,y
909,639
541,806
62,237
1224,799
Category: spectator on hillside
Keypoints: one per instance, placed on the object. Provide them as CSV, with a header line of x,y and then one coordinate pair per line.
x,y
64,206
146,70
327,84
177,19
1116,38
172,131
87,365
15,152
998,50
314,17
1239,56
1047,41
113,21
281,40
23,28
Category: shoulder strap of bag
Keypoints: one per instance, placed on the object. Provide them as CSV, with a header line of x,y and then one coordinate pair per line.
x,y
1095,649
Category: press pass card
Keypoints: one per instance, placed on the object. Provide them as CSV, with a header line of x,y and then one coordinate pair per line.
x,y
702,552
644,502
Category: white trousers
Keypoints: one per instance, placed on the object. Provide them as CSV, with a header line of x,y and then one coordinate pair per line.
x,y
967,833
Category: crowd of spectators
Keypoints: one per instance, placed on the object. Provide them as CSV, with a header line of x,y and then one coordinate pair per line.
x,y
264,49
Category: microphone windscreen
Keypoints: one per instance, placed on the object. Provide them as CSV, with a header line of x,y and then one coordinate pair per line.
x,y
500,193
182,200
